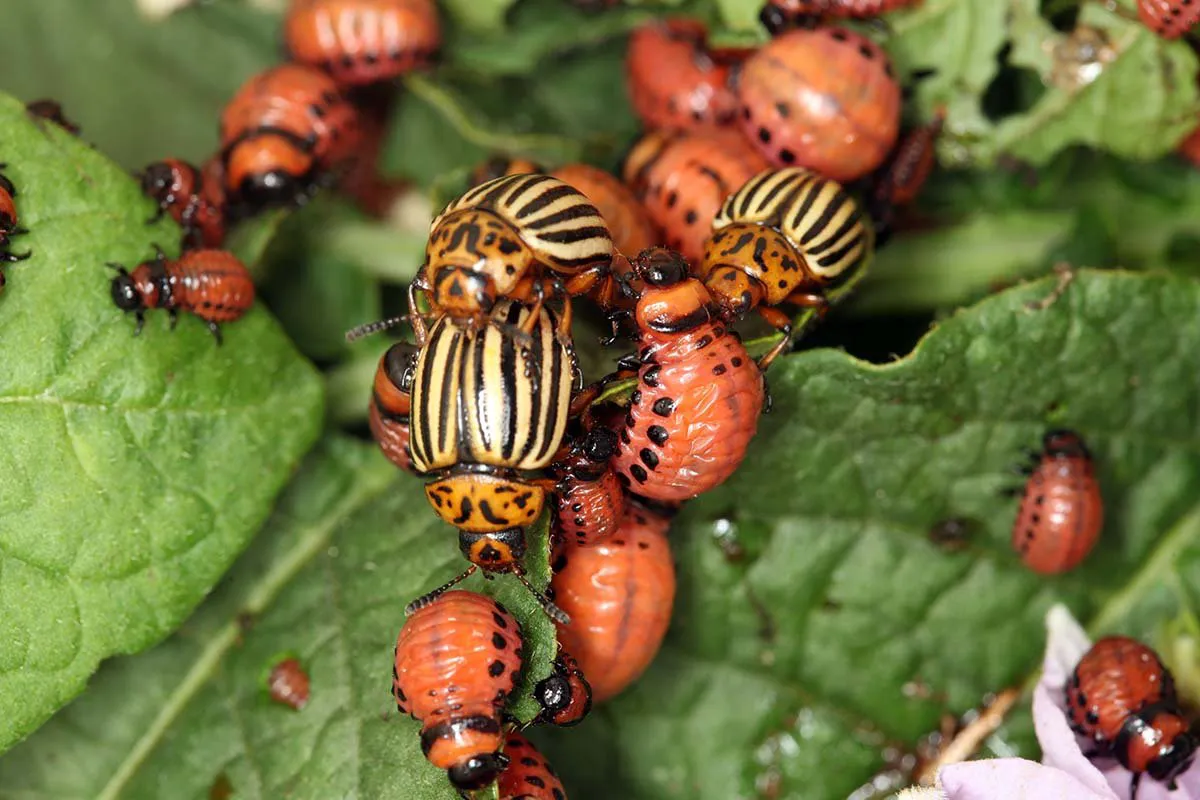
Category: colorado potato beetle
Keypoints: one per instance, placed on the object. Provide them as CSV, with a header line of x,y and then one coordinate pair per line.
x,y
682,180
512,237
362,41
1062,511
825,99
457,661
1122,697
675,83
787,236
210,284
619,594
485,410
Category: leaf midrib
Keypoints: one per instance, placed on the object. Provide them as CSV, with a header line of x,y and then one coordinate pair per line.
x,y
367,486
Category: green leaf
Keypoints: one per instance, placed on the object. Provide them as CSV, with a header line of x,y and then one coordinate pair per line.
x,y
958,40
140,89
351,542
132,470
945,268
540,31
1140,104
483,16
811,594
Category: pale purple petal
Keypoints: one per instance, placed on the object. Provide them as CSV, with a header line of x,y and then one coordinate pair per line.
x,y
1012,779
1060,746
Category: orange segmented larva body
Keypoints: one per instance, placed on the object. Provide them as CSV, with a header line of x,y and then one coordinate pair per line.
x,y
362,41
588,496
1170,19
619,595
194,198
1062,511
282,129
565,695
391,404
1122,697
824,99
682,180
211,284
457,660
631,229
529,776
675,83
296,99
699,393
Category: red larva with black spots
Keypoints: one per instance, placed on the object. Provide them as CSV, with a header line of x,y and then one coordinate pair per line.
x,y
210,284
824,99
587,493
619,594
457,661
1170,19
529,776
363,41
1122,697
682,180
699,393
565,696
1062,511
675,82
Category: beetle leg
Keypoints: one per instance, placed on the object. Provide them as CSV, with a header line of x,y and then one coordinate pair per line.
x,y
783,323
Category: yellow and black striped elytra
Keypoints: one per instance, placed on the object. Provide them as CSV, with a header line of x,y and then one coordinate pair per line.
x,y
486,407
513,237
787,236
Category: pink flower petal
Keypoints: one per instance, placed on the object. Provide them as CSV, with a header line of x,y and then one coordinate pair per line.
x,y
1012,779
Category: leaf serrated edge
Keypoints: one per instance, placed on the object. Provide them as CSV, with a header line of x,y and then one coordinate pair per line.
x,y
367,487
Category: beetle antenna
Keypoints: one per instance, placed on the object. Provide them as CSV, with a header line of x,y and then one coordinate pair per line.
x,y
368,328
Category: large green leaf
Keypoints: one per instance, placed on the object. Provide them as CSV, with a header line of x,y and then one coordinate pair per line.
x,y
789,661
350,544
141,89
132,470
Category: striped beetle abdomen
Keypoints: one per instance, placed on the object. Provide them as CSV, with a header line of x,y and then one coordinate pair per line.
x,y
827,227
558,223
480,398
